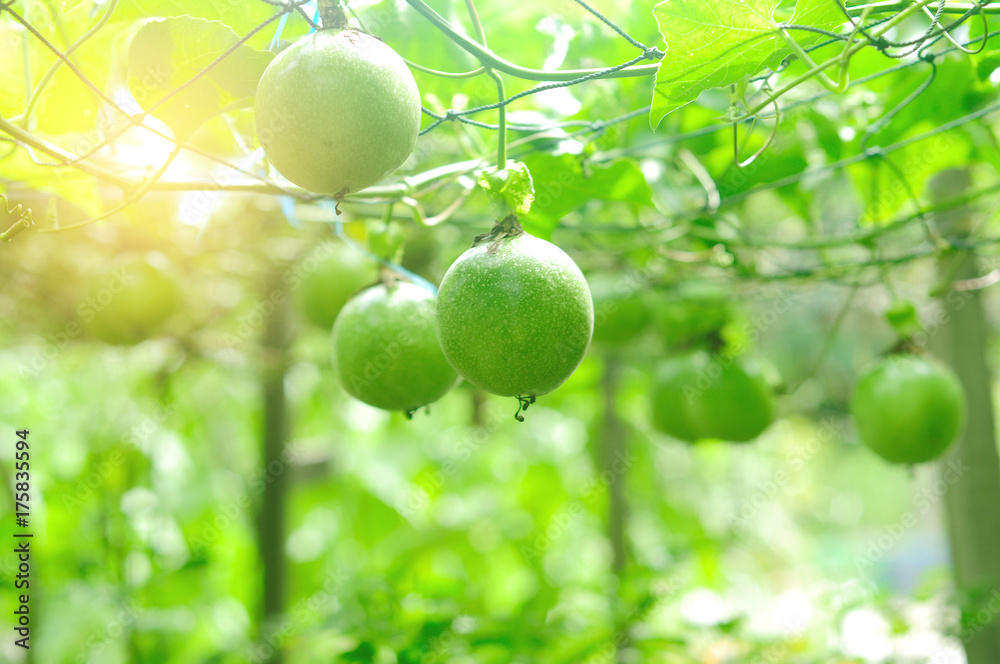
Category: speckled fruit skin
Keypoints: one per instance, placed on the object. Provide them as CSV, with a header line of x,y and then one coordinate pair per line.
x,y
386,351
326,288
698,396
515,316
337,111
908,410
129,304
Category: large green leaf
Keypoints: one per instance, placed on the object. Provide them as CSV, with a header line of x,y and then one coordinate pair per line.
x,y
241,16
167,54
715,43
562,185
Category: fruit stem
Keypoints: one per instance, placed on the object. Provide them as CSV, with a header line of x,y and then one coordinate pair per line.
x,y
501,122
509,226
332,15
501,93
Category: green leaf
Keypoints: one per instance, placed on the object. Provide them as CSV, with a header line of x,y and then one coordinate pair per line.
x,y
385,240
904,319
165,55
365,652
242,17
709,45
716,43
986,64
823,14
562,185
509,189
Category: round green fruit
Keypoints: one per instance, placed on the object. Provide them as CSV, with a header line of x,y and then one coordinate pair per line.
x,y
327,283
129,304
908,410
337,111
698,396
515,315
620,311
690,318
386,350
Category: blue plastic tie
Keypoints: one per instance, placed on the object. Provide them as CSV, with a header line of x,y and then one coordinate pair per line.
x,y
338,227
288,209
288,203
276,40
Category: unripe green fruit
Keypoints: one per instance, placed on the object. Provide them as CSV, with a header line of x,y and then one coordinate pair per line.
x,y
698,396
328,284
337,111
515,316
386,351
908,410
681,322
128,305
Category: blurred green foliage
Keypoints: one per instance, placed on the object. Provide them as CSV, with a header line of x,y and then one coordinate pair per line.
x,y
463,536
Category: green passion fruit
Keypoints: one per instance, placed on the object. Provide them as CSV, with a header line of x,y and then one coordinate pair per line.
x,y
682,320
129,304
515,315
386,351
908,410
698,395
327,282
337,111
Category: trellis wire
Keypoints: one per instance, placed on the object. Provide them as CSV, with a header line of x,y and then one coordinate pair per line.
x,y
648,53
288,7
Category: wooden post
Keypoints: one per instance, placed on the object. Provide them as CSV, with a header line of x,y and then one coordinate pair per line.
x,y
972,502
275,433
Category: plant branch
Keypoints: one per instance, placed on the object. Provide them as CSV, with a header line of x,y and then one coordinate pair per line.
x,y
47,77
491,60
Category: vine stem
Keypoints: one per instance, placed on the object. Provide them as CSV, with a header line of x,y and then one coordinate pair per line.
x,y
331,14
828,343
501,121
953,8
22,136
30,106
501,92
823,66
490,59
130,199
